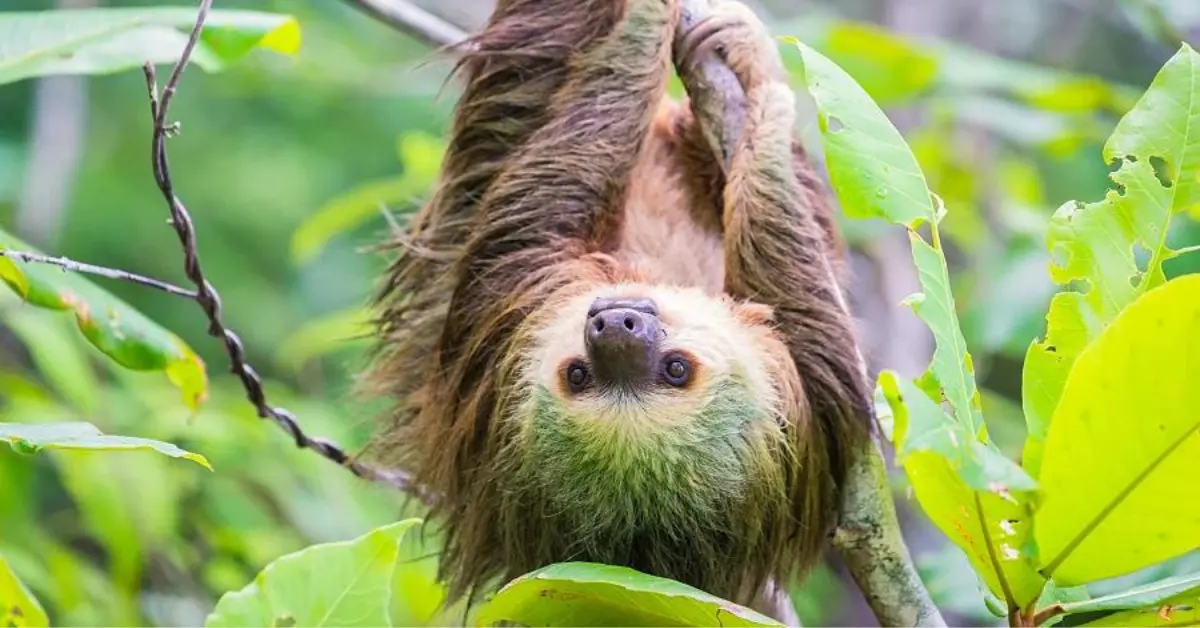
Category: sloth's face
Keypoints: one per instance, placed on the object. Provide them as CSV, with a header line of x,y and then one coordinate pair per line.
x,y
645,388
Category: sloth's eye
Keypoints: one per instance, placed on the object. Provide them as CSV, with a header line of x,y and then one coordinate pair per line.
x,y
677,371
577,377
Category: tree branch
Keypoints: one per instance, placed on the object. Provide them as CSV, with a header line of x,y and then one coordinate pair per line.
x,y
413,20
90,269
206,294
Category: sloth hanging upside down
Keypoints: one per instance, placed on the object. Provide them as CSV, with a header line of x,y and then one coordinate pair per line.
x,y
606,340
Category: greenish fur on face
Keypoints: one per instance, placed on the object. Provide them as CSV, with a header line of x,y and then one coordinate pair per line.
x,y
663,478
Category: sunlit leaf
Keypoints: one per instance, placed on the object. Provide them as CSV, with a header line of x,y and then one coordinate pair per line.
x,y
937,454
31,438
421,157
1120,459
1095,243
18,607
112,326
588,594
101,41
384,578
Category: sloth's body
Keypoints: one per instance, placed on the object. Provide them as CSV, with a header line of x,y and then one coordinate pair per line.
x,y
605,344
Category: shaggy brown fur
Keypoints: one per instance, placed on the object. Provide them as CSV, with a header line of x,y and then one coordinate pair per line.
x,y
568,170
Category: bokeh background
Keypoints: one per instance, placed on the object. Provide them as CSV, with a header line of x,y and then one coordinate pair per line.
x,y
285,162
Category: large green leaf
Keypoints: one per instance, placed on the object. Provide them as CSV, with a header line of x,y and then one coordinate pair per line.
x,y
992,529
589,594
100,41
384,578
112,326
1119,470
18,607
1095,244
421,157
31,438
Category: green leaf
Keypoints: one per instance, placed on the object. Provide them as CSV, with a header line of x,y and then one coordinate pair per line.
x,y
384,578
32,438
937,455
1180,610
1094,244
889,184
588,594
102,41
1151,595
421,157
1120,459
116,329
18,607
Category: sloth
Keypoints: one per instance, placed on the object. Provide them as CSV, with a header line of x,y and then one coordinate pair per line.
x,y
604,340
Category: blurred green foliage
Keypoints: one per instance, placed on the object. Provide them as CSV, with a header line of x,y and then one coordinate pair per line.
x,y
287,164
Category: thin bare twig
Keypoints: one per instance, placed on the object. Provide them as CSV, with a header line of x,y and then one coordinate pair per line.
x,y
206,293
90,269
412,20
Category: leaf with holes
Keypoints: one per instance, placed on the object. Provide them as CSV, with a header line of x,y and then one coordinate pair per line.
x,y
588,594
102,41
1158,147
938,455
386,577
116,329
18,607
32,438
1119,469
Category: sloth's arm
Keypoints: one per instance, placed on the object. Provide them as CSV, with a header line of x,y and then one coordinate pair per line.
x,y
561,191
566,184
780,245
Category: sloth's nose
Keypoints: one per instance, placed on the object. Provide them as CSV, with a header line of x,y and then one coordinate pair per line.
x,y
622,339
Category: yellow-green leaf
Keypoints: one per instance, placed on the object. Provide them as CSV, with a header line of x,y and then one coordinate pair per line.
x,y
992,528
31,438
589,594
1157,144
102,41
112,326
384,578
1120,463
18,607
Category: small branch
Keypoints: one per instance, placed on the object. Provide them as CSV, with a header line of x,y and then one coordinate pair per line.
x,y
89,269
207,296
413,20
